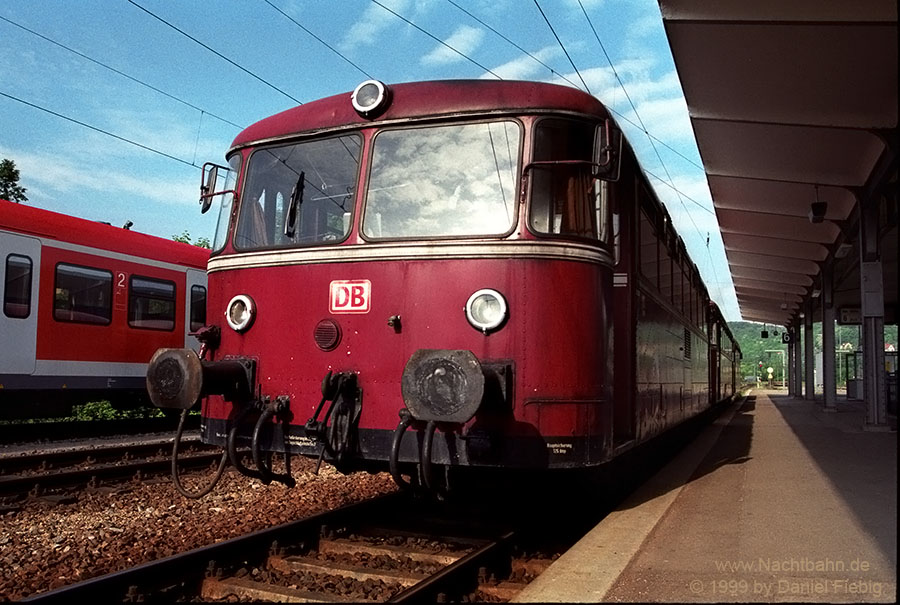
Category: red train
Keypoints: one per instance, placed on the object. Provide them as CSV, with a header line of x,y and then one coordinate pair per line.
x,y
85,305
445,276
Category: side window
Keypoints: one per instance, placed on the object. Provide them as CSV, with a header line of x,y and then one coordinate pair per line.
x,y
198,307
17,289
649,258
665,270
151,303
677,283
565,198
82,295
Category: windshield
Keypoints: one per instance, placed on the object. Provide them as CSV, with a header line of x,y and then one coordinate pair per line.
x,y
312,181
453,180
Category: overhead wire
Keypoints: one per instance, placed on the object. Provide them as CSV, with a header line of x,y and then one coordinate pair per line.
x,y
522,50
612,110
215,52
669,184
320,40
562,46
433,37
100,130
121,73
644,129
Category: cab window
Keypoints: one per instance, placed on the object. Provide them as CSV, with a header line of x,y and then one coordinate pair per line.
x,y
300,194
566,199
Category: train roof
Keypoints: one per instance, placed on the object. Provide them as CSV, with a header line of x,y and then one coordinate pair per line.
x,y
425,99
46,224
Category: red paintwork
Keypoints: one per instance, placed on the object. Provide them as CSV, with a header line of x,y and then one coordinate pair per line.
x,y
425,99
28,220
578,345
116,342
550,363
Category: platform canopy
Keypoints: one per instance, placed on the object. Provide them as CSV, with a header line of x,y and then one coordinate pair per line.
x,y
793,103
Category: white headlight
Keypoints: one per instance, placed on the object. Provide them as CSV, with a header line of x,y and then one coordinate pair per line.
x,y
370,97
240,312
486,310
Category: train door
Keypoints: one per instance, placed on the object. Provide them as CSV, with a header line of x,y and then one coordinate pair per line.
x,y
195,306
626,205
20,262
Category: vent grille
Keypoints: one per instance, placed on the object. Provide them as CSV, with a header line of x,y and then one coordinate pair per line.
x,y
327,334
687,343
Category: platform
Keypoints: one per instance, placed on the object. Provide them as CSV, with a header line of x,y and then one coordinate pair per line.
x,y
776,501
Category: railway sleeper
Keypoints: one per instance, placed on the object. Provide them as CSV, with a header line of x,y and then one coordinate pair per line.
x,y
294,564
242,588
345,546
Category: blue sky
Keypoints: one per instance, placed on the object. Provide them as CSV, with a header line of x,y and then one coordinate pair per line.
x,y
251,58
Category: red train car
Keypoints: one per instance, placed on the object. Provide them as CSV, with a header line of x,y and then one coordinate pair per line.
x,y
444,276
85,305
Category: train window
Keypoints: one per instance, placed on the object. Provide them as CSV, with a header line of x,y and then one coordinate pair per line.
x,y
649,255
565,198
691,300
151,303
82,295
198,307
17,288
313,181
227,199
677,284
665,270
443,181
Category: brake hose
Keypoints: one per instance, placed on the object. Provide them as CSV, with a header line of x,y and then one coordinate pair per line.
x,y
176,476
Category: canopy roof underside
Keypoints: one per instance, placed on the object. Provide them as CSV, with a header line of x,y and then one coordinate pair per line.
x,y
793,103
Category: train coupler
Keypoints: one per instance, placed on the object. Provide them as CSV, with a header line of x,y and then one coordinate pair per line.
x,y
337,432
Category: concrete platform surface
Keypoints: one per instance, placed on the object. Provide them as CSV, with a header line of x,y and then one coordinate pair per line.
x,y
776,501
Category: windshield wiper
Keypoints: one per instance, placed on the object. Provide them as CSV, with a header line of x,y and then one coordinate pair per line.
x,y
290,222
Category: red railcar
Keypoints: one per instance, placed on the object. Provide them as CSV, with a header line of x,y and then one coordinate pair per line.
x,y
85,305
456,274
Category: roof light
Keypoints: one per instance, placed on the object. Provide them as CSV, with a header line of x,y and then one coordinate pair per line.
x,y
370,98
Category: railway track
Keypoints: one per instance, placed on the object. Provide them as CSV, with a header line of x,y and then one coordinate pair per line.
x,y
391,549
48,473
88,429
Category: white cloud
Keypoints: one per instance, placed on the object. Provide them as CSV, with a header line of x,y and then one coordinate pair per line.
x,y
60,174
666,119
373,21
525,67
465,40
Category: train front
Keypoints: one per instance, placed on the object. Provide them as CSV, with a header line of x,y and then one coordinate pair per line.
x,y
412,279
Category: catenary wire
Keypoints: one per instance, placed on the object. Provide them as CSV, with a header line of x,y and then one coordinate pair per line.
x,y
215,52
121,73
320,40
435,38
621,116
562,46
638,116
100,130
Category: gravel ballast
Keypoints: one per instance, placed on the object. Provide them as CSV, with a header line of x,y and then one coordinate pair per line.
x,y
45,545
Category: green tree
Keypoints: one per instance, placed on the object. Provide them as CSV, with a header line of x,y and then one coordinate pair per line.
x,y
9,182
185,237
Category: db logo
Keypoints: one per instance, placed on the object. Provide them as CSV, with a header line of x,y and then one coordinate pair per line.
x,y
350,296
